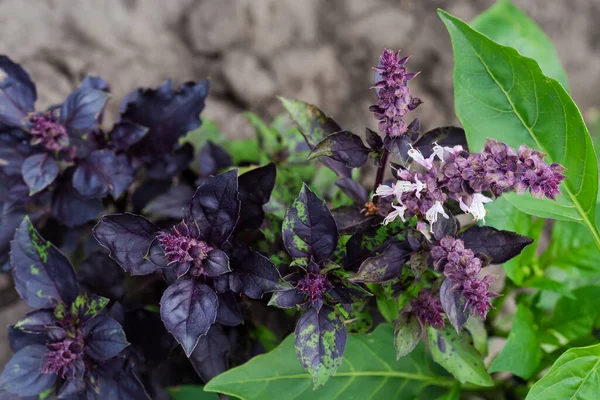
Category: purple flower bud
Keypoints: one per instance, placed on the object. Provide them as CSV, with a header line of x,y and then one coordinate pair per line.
x,y
314,285
62,357
47,131
394,100
475,292
534,174
428,309
182,245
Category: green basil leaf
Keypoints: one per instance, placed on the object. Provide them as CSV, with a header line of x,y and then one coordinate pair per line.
x,y
369,370
521,354
454,352
507,25
501,94
190,392
573,376
572,246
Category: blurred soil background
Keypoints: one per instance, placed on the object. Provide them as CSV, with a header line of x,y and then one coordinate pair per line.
x,y
252,50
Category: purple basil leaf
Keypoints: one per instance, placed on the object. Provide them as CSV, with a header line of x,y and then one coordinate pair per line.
x,y
102,275
81,110
445,226
171,164
287,298
229,313
156,255
9,222
70,207
14,149
354,190
315,125
125,134
172,204
73,385
447,136
17,93
216,263
156,347
350,219
39,171
215,207
103,172
499,246
255,191
117,380
343,290
211,159
257,274
168,114
42,274
127,237
209,359
320,341
385,266
419,262
309,228
104,338
94,82
86,306
398,148
23,375
344,147
374,140
188,308
453,304
17,339
36,321
407,334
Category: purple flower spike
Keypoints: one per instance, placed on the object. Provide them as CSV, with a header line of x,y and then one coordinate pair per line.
x,y
47,131
182,246
477,296
462,267
428,309
63,357
394,100
314,285
534,174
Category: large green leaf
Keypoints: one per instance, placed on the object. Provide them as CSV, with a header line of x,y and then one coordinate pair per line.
x,y
501,94
454,352
190,392
369,370
521,354
506,24
575,376
572,246
572,319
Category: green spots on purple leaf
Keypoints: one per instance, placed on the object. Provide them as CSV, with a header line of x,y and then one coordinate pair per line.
x,y
320,341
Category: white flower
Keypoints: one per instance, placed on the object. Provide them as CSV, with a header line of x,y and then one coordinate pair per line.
x,y
398,212
422,227
476,209
418,157
418,187
397,189
432,214
439,150
384,190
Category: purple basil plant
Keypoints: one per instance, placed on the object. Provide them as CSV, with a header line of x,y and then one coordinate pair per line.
x,y
320,287
61,163
67,346
204,268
